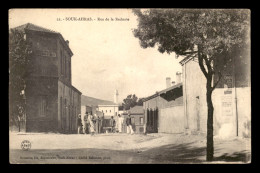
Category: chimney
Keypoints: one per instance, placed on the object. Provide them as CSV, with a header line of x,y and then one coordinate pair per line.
x,y
116,97
178,77
173,82
168,82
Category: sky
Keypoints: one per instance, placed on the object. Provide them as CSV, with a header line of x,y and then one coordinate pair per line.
x,y
107,56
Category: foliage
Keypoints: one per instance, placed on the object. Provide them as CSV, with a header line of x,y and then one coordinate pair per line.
x,y
204,33
210,35
131,101
19,52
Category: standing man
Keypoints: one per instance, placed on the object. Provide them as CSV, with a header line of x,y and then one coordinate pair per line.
x,y
112,123
100,124
129,125
120,123
91,124
79,124
96,121
85,123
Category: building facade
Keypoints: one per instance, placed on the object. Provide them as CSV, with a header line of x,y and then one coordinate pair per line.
x,y
164,110
137,119
231,98
52,103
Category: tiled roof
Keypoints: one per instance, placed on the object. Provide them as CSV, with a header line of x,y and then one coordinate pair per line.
x,y
30,26
136,110
162,91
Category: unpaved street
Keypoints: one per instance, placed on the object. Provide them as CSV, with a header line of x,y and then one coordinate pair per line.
x,y
123,148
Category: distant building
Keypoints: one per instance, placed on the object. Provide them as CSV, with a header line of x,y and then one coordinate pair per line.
x,y
108,110
100,107
52,102
137,119
164,109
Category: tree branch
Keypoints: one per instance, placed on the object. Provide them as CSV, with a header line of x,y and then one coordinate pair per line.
x,y
219,77
201,64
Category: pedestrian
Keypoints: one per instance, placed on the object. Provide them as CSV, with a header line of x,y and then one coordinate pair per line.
x,y
91,125
120,123
96,122
129,125
85,123
100,124
79,124
112,124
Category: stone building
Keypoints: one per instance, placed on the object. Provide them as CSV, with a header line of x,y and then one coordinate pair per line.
x,y
164,109
231,98
52,103
137,119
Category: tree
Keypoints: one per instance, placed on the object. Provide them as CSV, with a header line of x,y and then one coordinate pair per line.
x,y
19,61
131,101
205,34
140,102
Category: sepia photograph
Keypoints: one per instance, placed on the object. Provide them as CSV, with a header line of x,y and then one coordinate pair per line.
x,y
129,86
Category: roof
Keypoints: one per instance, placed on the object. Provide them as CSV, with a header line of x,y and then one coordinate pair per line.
x,y
32,27
109,105
91,101
162,91
75,89
136,110
186,59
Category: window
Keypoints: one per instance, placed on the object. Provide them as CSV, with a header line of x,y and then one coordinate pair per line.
x,y
106,111
110,110
52,54
43,106
132,120
141,120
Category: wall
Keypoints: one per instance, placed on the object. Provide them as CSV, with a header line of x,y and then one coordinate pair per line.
x,y
64,57
106,110
45,60
227,110
136,124
35,88
171,120
194,94
170,115
235,119
42,81
67,113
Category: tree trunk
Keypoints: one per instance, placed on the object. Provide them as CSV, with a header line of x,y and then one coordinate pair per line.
x,y
210,142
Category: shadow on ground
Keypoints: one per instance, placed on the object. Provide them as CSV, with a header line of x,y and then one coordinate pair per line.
x,y
242,156
181,153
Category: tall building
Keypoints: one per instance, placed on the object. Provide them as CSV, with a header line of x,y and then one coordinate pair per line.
x,y
52,102
116,97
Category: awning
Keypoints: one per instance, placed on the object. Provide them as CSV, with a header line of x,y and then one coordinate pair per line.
x,y
172,94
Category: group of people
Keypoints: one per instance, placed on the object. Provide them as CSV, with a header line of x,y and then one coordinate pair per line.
x,y
93,124
129,128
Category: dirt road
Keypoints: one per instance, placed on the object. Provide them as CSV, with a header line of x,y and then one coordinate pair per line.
x,y
123,148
